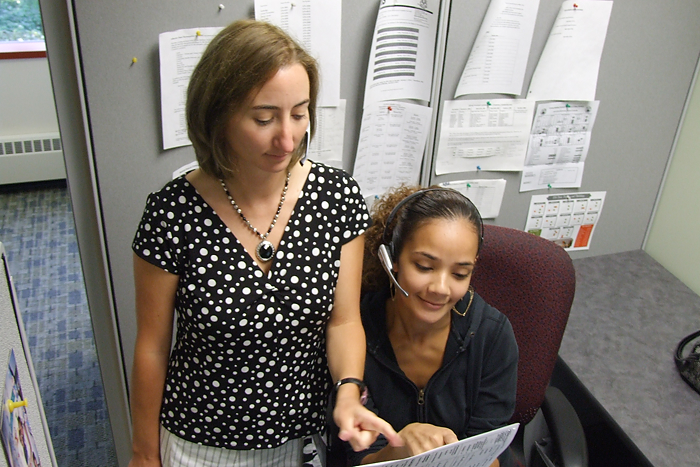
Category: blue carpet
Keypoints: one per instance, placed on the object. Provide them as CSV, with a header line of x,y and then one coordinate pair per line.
x,y
38,232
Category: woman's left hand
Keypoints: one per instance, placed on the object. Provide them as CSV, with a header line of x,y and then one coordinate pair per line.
x,y
359,426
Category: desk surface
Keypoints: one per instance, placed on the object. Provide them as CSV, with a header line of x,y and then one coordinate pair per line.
x,y
628,316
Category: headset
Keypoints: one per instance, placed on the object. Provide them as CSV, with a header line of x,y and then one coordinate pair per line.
x,y
307,140
386,249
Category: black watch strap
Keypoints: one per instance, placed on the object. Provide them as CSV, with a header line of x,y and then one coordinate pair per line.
x,y
361,384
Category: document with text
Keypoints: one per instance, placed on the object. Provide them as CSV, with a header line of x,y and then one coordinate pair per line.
x,y
568,67
180,52
477,451
498,59
391,146
403,51
484,135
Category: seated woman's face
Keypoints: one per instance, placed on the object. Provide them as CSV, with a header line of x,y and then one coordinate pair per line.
x,y
265,132
435,267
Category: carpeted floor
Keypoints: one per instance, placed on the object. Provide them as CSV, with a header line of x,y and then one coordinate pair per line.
x,y
38,232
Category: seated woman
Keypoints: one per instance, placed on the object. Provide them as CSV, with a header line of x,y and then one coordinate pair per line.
x,y
441,363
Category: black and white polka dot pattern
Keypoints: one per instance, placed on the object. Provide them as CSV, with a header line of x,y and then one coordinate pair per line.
x,y
249,370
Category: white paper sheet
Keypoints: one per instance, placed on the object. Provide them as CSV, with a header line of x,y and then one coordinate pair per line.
x,y
559,142
391,146
179,53
487,195
403,51
568,67
498,58
538,177
566,219
327,143
316,25
484,135
477,451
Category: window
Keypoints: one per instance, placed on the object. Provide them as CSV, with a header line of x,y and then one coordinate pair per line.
x,y
21,32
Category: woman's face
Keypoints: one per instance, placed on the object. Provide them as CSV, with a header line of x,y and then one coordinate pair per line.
x,y
435,267
266,131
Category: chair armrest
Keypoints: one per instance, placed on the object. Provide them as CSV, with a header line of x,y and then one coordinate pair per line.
x,y
565,428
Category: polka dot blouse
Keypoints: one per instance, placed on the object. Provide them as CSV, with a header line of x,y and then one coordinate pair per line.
x,y
248,369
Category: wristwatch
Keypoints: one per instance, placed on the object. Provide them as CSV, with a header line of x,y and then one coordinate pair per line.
x,y
364,392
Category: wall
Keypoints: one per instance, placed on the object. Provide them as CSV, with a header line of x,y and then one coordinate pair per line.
x,y
25,89
673,235
646,71
28,109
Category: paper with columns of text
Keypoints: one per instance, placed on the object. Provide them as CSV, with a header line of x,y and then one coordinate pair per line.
x,y
477,451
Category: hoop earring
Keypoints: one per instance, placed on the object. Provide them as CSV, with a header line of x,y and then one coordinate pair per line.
x,y
392,291
471,298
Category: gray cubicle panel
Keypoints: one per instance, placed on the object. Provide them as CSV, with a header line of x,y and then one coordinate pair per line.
x,y
109,116
646,72
123,106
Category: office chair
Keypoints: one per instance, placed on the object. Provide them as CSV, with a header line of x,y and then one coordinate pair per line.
x,y
532,281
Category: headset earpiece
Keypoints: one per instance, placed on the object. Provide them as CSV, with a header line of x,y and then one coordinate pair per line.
x,y
307,137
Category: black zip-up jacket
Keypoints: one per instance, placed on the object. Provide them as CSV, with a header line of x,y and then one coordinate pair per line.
x,y
472,392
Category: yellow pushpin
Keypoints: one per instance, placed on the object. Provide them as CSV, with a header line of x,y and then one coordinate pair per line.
x,y
12,405
199,33
134,60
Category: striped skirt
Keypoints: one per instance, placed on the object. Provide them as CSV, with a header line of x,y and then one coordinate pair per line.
x,y
302,452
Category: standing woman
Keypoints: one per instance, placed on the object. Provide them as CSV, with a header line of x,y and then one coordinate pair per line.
x,y
259,256
441,363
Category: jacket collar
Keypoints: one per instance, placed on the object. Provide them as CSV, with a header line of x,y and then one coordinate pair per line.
x,y
462,328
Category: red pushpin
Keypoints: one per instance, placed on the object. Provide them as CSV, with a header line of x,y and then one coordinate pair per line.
x,y
389,108
575,5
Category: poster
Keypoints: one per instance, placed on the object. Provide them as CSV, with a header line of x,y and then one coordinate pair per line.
x,y
566,219
18,440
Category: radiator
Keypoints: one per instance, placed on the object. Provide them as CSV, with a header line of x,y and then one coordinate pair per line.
x,y
31,158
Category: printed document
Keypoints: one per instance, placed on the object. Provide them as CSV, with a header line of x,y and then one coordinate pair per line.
x,y
327,143
316,25
559,142
391,146
498,58
484,135
477,451
565,219
403,51
487,195
568,67
179,53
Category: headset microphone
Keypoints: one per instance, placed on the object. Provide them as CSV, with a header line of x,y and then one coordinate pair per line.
x,y
385,259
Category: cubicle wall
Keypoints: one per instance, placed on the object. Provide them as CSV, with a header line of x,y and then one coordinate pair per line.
x,y
109,115
646,71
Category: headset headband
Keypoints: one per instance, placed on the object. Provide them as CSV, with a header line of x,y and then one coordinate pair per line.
x,y
412,196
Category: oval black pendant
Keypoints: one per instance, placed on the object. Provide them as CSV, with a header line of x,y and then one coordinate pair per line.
x,y
265,251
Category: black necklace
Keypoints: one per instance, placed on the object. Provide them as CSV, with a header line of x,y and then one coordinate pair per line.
x,y
265,250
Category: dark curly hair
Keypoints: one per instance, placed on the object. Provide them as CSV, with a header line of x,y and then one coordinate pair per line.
x,y
436,203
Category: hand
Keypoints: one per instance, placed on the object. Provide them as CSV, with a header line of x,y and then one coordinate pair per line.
x,y
422,437
359,426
